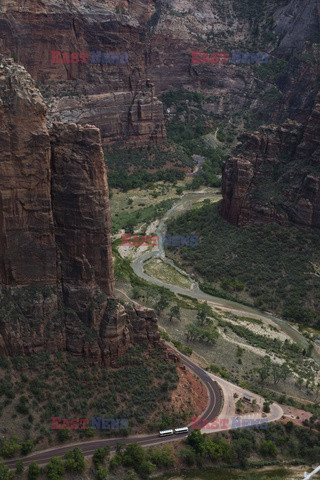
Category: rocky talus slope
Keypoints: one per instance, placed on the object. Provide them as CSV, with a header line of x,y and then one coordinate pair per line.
x,y
56,268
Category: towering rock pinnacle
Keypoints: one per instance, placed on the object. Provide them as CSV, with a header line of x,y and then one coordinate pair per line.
x,y
81,207
56,267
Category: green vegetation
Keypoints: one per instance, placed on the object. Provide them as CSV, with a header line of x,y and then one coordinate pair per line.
x,y
237,446
272,344
130,219
166,273
138,387
182,348
5,473
33,471
271,262
142,461
124,158
142,178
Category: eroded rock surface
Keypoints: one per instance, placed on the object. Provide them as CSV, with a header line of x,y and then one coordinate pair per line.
x,y
56,268
274,175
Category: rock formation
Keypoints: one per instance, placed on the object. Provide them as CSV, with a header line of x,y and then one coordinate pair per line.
x,y
274,175
113,96
56,268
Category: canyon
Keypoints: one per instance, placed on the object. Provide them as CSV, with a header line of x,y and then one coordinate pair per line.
x,y
56,271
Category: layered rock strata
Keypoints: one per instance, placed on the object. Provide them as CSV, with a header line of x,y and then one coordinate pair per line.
x,y
274,175
56,268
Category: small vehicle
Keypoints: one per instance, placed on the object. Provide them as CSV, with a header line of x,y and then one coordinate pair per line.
x,y
163,433
181,430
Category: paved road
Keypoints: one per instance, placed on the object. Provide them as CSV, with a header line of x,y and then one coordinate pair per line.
x,y
137,265
88,447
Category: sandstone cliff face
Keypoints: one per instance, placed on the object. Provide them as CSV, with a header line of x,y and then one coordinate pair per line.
x,y
27,245
159,37
274,175
56,283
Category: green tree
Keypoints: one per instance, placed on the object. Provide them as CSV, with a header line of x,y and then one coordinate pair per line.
x,y
242,448
133,456
162,457
33,471
9,447
266,407
146,468
19,467
63,434
5,473
55,469
102,473
135,292
100,454
188,455
75,462
203,312
161,304
174,313
280,372
26,447
268,449
265,370
196,440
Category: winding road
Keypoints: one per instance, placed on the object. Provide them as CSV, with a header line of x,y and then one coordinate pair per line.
x,y
220,392
88,447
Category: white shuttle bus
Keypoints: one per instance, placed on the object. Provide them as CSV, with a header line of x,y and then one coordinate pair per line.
x,y
181,430
163,433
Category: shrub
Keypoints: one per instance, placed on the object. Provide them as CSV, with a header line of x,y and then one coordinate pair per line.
x,y
55,469
19,467
101,473
75,462
5,473
9,447
268,449
26,447
99,455
63,434
33,471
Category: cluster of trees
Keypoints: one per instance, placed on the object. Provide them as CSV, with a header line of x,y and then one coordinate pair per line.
x,y
161,304
74,463
274,370
142,461
10,448
141,178
288,440
203,330
255,258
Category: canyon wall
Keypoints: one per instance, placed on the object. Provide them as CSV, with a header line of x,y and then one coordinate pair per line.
x,y
56,267
274,175
159,37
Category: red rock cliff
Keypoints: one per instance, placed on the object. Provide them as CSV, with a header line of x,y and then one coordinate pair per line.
x,y
274,175
56,284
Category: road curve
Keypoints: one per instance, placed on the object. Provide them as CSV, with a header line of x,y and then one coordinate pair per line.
x,y
88,447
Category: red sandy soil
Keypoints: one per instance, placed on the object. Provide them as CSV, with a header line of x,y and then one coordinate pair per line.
x,y
191,394
290,414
